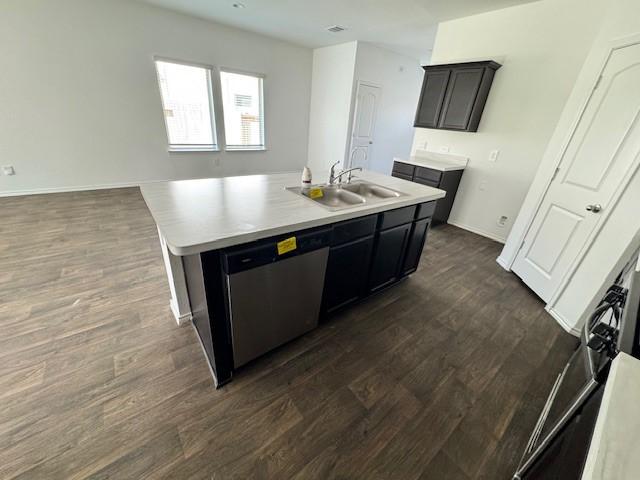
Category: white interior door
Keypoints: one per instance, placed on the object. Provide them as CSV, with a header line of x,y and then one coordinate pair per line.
x,y
363,127
600,157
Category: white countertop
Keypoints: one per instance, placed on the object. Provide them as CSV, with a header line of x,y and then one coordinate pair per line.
x,y
206,214
438,161
614,453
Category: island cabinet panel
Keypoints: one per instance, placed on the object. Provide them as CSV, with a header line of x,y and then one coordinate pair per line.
x,y
353,229
347,273
417,239
399,216
208,299
388,256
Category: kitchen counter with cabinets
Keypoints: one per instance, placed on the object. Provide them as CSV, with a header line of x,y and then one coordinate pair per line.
x,y
443,171
254,265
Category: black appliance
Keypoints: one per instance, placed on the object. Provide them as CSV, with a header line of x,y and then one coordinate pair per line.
x,y
558,446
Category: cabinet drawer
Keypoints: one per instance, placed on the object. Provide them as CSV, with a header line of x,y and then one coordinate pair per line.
x,y
396,217
403,168
427,182
425,210
402,176
352,229
428,174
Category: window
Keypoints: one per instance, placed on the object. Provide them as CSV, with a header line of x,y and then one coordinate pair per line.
x,y
188,106
243,111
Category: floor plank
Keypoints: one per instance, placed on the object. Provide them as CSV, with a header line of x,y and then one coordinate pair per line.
x,y
439,377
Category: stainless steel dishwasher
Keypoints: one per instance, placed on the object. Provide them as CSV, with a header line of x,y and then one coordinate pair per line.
x,y
274,290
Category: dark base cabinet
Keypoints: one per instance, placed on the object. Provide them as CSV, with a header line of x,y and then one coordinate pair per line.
x,y
368,254
388,257
417,239
365,254
346,278
447,181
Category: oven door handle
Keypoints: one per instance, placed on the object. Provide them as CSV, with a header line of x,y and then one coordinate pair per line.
x,y
544,413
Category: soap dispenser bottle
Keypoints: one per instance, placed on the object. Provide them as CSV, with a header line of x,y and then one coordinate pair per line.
x,y
306,177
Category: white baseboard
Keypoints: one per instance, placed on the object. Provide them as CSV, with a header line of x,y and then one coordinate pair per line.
x,y
573,330
180,319
81,188
503,263
478,231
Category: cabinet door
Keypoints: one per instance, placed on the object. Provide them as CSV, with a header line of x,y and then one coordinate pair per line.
x,y
347,273
460,99
417,240
388,256
434,87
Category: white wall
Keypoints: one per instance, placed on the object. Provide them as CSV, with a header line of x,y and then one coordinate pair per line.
x,y
542,46
595,271
400,79
331,90
336,70
80,101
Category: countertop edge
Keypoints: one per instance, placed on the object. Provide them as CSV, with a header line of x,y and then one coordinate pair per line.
x,y
604,460
247,237
433,164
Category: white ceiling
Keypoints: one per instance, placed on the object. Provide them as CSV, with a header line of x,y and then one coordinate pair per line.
x,y
405,26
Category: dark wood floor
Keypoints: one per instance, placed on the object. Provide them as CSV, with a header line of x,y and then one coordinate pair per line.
x,y
441,377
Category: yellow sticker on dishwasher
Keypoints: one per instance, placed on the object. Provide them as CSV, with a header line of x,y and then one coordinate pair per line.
x,y
315,193
286,245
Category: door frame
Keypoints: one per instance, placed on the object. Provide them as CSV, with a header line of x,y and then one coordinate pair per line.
x,y
359,83
595,75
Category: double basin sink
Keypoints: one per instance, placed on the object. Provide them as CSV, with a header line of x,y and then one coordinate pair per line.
x,y
346,195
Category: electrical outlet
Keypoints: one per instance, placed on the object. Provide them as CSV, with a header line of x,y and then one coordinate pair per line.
x,y
493,156
8,170
502,221
444,149
482,186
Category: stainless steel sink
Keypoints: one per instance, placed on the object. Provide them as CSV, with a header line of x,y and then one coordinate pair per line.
x,y
345,195
370,190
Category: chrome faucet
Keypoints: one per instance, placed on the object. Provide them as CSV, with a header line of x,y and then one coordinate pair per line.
x,y
333,177
353,152
332,173
349,171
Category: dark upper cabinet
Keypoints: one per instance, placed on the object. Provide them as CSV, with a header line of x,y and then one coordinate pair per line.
x,y
388,256
434,89
347,271
453,96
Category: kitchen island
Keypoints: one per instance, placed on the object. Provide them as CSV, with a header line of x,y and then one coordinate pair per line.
x,y
254,264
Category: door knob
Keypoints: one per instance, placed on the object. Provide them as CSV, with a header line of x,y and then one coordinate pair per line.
x,y
594,208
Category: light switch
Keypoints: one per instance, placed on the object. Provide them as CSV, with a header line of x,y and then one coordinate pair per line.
x,y
8,170
493,156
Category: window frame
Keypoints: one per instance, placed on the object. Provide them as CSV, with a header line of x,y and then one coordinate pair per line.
x,y
210,70
240,148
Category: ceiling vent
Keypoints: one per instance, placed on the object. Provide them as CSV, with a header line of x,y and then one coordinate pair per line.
x,y
335,29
